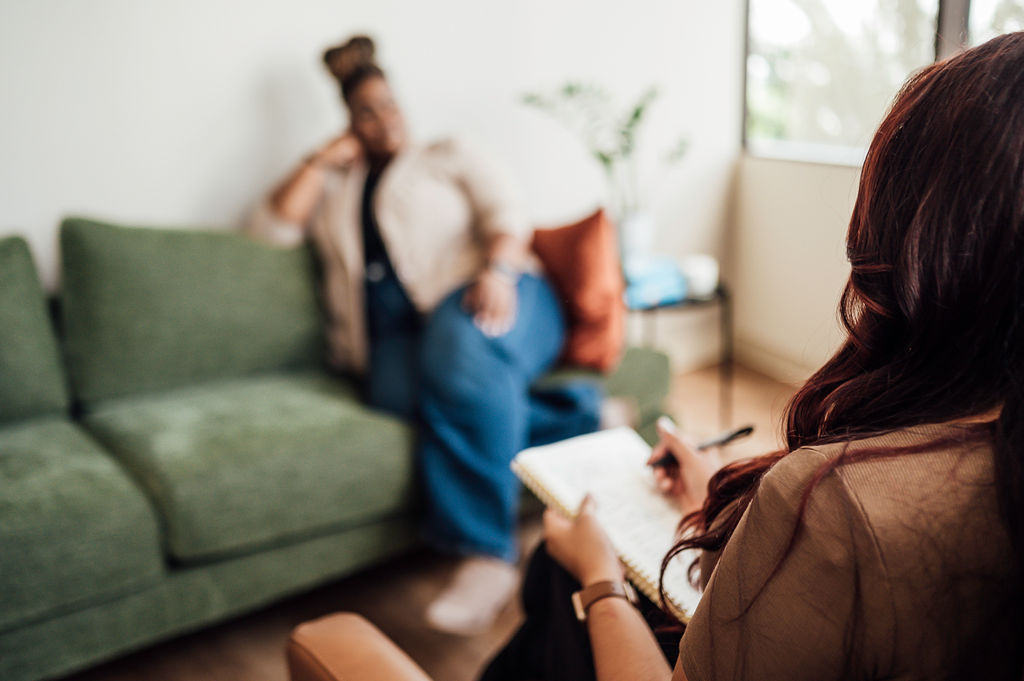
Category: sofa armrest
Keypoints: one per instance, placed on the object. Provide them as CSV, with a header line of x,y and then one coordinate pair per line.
x,y
346,647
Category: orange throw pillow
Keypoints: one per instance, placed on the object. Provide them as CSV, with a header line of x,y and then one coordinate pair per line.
x,y
582,263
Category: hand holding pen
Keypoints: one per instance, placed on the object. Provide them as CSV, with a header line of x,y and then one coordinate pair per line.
x,y
682,468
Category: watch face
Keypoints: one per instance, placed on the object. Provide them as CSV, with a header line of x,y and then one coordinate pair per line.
x,y
577,605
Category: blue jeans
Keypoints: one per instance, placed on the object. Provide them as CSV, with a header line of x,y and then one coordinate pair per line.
x,y
472,397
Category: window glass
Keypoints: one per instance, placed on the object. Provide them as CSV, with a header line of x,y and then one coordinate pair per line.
x,y
820,73
989,18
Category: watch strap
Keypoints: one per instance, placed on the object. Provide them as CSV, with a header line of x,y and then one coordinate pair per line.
x,y
586,597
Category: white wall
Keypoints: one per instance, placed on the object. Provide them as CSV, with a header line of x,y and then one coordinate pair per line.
x,y
788,263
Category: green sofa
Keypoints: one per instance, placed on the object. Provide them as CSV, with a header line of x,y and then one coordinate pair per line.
x,y
176,454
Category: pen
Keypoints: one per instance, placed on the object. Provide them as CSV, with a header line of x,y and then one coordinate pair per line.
x,y
717,441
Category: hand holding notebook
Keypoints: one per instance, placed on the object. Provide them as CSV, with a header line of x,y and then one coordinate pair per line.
x,y
639,521
581,546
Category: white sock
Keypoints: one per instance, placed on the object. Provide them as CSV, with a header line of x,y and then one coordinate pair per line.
x,y
479,589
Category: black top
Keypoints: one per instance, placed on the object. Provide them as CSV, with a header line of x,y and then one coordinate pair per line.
x,y
375,255
389,311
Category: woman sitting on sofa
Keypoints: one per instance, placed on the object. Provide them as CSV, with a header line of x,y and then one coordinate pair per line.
x,y
435,301
887,540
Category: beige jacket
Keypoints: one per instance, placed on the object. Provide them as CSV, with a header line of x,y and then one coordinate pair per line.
x,y
435,205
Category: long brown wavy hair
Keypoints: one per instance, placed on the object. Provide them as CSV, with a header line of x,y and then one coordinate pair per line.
x,y
933,305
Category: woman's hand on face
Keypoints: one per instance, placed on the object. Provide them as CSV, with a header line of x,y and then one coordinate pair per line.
x,y
493,301
686,477
581,546
339,152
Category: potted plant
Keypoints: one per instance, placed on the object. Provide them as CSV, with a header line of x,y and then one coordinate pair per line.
x,y
610,135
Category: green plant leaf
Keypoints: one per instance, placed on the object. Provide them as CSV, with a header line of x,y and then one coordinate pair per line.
x,y
605,158
639,109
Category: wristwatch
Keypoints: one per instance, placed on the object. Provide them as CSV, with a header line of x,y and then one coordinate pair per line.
x,y
586,597
505,271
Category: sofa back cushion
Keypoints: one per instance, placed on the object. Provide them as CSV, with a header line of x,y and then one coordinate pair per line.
x,y
32,381
149,309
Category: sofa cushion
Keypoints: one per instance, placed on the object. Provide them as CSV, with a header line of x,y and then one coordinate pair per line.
x,y
642,375
243,464
31,377
74,529
149,309
582,260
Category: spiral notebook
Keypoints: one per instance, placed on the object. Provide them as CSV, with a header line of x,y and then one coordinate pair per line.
x,y
611,466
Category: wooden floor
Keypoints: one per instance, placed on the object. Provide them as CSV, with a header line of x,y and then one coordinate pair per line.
x,y
393,596
756,400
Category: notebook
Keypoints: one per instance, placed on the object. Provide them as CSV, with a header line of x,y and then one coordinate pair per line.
x,y
611,465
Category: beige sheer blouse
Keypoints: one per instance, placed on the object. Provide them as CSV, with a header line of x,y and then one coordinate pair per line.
x,y
435,206
898,557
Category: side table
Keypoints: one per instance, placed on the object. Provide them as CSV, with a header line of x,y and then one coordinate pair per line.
x,y
723,301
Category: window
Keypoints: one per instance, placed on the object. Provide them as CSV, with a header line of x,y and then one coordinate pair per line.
x,y
989,18
821,73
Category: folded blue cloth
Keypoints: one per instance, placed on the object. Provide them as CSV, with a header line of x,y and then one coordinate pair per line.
x,y
651,281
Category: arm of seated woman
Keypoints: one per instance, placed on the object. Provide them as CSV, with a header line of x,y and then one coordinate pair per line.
x,y
295,199
624,647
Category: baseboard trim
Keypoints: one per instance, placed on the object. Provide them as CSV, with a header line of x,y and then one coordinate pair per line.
x,y
771,362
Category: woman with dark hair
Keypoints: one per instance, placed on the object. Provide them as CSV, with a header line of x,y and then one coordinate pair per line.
x,y
433,299
886,541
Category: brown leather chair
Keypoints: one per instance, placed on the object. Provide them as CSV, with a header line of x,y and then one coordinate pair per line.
x,y
346,647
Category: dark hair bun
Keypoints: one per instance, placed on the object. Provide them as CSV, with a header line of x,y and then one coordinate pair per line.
x,y
351,58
